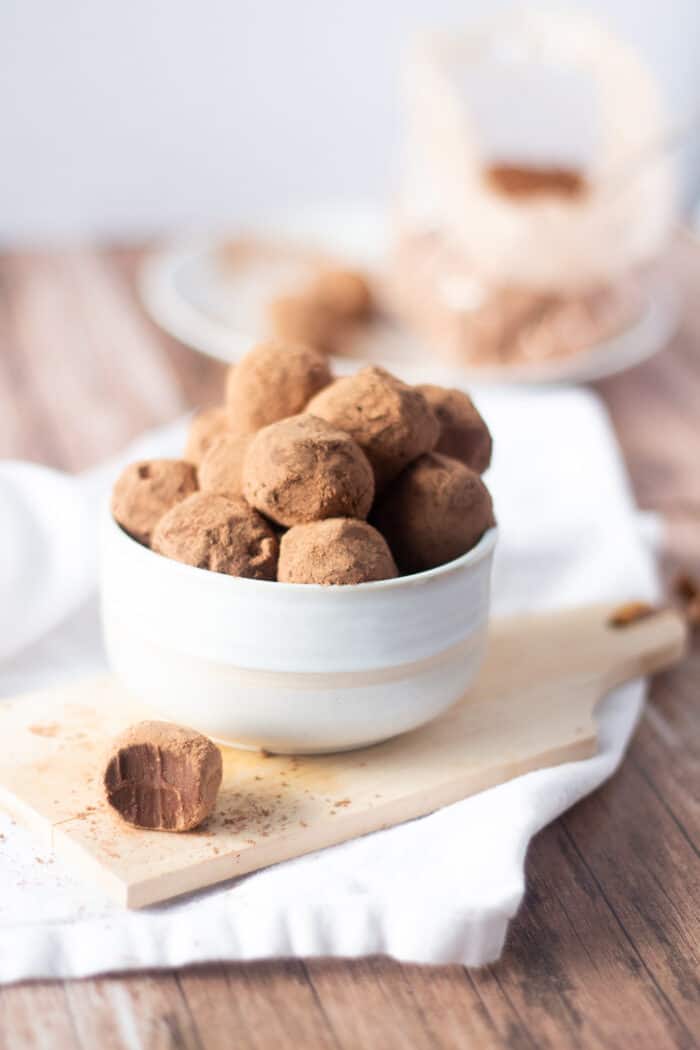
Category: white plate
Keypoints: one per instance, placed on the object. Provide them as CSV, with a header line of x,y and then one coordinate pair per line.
x,y
187,292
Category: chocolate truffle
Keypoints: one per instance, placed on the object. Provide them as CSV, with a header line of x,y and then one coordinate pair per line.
x,y
334,551
392,422
463,433
144,491
346,294
274,380
302,469
214,532
301,319
221,469
436,510
162,776
205,428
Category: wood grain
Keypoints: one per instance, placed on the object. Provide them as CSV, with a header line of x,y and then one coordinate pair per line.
x,y
604,952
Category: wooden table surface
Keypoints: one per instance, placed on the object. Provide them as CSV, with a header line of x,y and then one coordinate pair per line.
x,y
605,950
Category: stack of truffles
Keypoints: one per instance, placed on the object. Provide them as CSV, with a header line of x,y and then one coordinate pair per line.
x,y
305,479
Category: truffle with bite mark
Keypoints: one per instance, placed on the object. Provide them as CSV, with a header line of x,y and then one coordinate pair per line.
x,y
163,777
221,469
301,319
334,551
146,490
436,510
303,469
391,421
214,532
345,294
273,381
205,428
463,433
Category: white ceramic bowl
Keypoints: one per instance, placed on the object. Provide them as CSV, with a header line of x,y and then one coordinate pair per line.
x,y
292,668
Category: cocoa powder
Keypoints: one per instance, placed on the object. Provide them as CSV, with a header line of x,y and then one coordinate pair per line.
x,y
391,421
303,469
214,532
146,490
334,551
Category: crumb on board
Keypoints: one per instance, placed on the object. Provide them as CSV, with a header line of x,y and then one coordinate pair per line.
x,y
687,589
629,613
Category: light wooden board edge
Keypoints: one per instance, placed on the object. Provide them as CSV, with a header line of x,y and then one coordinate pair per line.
x,y
652,644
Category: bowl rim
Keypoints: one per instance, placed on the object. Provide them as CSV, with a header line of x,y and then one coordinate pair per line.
x,y
480,552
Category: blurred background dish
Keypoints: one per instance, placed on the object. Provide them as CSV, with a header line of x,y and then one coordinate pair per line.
x,y
212,295
528,235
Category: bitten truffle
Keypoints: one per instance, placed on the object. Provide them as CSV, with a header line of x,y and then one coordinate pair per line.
x,y
463,433
163,777
392,422
274,380
435,511
221,469
303,469
205,428
334,551
345,294
144,491
214,532
301,319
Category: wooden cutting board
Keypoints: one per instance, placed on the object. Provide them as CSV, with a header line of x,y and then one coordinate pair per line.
x,y
532,706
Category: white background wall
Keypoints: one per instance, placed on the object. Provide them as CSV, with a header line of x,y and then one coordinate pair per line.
x,y
134,116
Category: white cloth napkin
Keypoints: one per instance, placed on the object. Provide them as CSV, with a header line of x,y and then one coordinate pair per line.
x,y
435,890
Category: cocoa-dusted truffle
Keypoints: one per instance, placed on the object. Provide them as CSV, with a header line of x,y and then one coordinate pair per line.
x,y
463,432
214,532
162,776
345,294
392,422
205,428
436,510
221,469
302,469
144,491
334,551
301,319
274,380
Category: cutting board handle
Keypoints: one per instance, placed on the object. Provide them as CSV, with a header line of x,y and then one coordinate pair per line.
x,y
584,649
642,647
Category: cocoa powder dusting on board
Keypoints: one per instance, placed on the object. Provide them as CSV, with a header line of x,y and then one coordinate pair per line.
x,y
240,813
